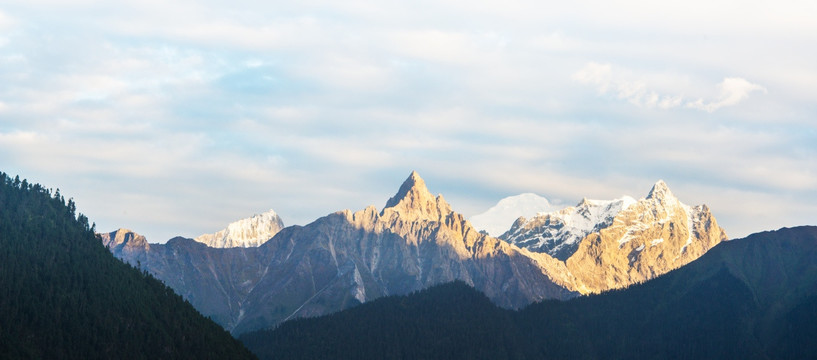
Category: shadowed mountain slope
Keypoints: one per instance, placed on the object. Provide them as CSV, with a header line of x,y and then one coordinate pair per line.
x,y
63,296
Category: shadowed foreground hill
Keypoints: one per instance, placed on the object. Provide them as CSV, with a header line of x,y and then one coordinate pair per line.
x,y
64,296
448,321
754,298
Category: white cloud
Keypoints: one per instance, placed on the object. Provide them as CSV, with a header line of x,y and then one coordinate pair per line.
x,y
732,91
626,85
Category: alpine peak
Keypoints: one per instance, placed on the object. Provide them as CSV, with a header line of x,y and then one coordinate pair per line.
x,y
413,187
249,232
660,191
414,198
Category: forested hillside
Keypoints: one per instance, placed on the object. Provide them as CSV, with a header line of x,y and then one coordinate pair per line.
x,y
64,296
449,321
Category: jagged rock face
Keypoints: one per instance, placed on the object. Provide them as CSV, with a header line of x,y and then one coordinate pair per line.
x,y
649,238
250,232
621,242
559,233
415,203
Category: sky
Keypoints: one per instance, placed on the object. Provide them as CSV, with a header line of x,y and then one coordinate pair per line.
x,y
176,118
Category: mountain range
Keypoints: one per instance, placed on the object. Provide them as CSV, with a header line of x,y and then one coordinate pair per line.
x,y
416,241
605,279
751,298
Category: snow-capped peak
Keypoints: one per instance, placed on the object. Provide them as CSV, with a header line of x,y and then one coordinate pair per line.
x,y
660,191
589,214
498,218
249,232
558,233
